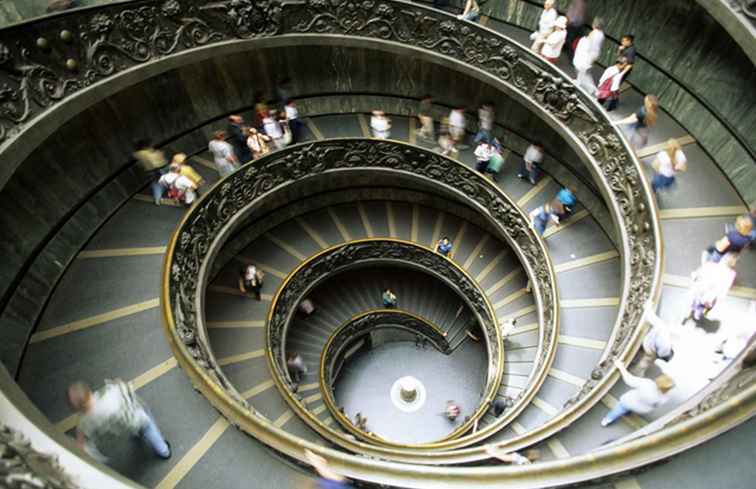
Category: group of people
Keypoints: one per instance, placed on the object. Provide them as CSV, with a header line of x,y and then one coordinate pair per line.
x,y
176,179
711,283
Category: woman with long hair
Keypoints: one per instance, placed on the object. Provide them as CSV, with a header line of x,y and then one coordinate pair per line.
x,y
668,162
643,120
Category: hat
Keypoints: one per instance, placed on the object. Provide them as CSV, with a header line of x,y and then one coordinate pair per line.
x,y
179,158
561,22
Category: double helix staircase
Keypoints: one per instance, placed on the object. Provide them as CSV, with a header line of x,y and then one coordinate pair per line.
x,y
103,319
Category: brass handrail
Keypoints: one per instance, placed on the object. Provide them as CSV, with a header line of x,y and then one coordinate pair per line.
x,y
391,250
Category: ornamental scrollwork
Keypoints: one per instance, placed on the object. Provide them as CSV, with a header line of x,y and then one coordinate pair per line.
x,y
23,467
257,180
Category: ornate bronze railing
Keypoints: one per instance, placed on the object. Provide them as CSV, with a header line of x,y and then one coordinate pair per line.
x,y
363,325
379,251
204,229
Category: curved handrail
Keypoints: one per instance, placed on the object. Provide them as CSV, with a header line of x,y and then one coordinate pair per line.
x,y
363,324
323,265
203,230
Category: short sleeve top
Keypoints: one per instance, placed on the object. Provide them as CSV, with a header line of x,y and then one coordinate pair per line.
x,y
737,240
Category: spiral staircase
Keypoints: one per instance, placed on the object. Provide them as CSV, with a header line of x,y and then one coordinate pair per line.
x,y
337,218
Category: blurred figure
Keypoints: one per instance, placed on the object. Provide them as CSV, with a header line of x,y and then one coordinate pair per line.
x,y
501,405
273,129
186,170
530,163
735,239
223,154
238,139
608,91
61,5
446,144
627,50
113,410
329,478
486,117
711,282
656,344
555,211
306,307
471,11
642,121
181,189
514,458
257,143
296,367
457,124
452,411
483,154
575,18
295,124
545,26
380,125
444,246
645,395
495,163
360,422
667,164
425,118
251,280
153,164
554,42
587,52
389,299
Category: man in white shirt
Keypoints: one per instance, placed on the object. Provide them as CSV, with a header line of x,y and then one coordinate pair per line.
x,y
530,163
113,411
645,395
292,115
180,187
545,25
587,52
457,124
380,125
483,154
554,42
223,154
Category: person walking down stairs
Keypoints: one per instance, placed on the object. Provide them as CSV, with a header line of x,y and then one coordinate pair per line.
x,y
251,280
112,412
389,299
645,395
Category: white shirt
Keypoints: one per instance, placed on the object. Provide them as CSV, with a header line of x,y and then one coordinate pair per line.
x,y
115,411
272,128
552,46
546,22
644,397
533,154
712,281
597,40
291,112
612,71
457,118
222,152
485,117
666,167
658,341
484,152
379,123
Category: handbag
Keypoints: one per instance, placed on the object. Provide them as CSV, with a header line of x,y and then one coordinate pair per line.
x,y
605,89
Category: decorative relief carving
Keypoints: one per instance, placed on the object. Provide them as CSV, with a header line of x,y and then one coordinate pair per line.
x,y
745,378
22,467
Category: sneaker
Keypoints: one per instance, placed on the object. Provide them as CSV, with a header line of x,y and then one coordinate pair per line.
x,y
170,451
605,422
520,175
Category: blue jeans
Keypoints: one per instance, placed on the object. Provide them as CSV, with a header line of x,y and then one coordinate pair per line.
x,y
532,174
471,16
616,413
150,433
157,189
540,222
660,182
482,135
